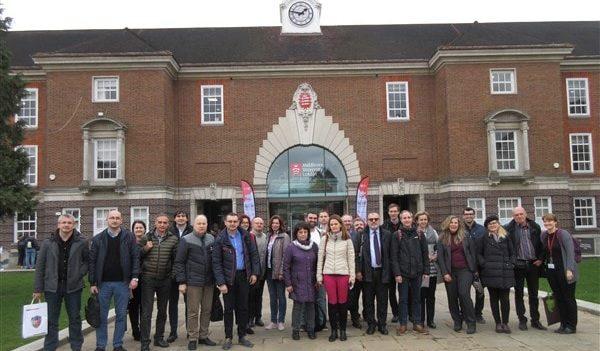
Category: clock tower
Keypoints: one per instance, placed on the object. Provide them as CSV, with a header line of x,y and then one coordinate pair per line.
x,y
300,17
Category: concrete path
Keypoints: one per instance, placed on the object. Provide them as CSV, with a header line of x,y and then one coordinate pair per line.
x,y
442,338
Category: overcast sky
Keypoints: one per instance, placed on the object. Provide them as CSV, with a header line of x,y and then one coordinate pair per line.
x,y
83,14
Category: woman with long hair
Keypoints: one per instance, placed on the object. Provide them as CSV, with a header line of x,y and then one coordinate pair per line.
x,y
496,257
559,257
336,271
139,230
299,271
458,266
277,242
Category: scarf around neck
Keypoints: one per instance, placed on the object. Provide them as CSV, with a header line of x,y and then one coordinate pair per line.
x,y
304,247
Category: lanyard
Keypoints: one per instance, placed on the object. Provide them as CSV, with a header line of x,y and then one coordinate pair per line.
x,y
551,243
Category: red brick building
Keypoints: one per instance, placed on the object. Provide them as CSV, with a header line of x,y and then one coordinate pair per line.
x,y
439,116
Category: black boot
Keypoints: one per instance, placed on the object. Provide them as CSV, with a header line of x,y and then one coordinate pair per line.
x,y
333,321
334,335
343,319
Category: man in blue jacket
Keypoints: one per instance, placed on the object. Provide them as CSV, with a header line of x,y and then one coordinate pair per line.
x,y
113,270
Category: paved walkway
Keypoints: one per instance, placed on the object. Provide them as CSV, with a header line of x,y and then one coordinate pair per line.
x,y
442,338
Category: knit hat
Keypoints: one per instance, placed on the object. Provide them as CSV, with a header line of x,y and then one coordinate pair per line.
x,y
491,218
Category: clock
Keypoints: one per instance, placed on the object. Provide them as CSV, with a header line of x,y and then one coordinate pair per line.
x,y
301,13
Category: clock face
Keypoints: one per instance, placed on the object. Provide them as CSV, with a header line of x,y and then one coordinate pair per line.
x,y
301,13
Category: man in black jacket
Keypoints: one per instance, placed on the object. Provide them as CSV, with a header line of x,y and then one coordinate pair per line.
x,y
392,225
236,266
410,265
374,269
180,228
61,266
356,290
113,271
159,248
525,235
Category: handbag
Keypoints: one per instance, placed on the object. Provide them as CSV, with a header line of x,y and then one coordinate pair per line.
x,y
92,311
216,311
477,285
551,308
34,320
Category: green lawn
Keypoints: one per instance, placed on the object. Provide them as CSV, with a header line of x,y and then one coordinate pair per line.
x,y
15,291
588,285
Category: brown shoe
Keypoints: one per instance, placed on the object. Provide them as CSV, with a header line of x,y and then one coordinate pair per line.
x,y
401,329
419,329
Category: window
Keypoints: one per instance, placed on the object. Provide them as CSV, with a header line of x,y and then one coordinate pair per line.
x,y
31,175
75,212
100,214
29,108
542,206
578,97
25,225
505,208
141,213
502,81
478,204
105,160
584,209
106,89
581,153
212,104
397,101
506,150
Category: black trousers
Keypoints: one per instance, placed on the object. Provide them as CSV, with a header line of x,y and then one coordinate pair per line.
x,y
255,300
428,300
500,304
353,299
392,288
174,307
372,290
236,300
531,274
151,286
459,296
564,294
134,308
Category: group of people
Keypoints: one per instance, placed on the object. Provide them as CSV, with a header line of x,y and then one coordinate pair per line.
x,y
27,248
324,264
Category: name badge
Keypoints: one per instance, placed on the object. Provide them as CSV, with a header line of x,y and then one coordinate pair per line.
x,y
550,265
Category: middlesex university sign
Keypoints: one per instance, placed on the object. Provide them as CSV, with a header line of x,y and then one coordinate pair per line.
x,y
308,170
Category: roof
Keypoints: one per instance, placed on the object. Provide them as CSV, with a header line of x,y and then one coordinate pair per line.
x,y
260,45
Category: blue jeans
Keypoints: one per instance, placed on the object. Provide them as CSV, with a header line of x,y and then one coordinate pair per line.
x,y
73,306
414,284
120,291
30,255
277,299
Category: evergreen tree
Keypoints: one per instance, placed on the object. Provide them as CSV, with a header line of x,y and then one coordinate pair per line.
x,y
15,195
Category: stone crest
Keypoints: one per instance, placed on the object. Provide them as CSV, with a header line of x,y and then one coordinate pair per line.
x,y
305,103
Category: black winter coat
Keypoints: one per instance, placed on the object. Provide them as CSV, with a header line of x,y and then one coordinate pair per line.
x,y
497,262
410,254
364,256
223,258
193,263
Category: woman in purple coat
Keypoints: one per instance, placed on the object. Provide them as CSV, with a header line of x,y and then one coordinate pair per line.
x,y
299,273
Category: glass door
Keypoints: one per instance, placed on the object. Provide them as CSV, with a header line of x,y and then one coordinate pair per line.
x,y
294,211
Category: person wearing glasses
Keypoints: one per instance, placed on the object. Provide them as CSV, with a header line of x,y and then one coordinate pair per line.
x,y
374,269
496,259
475,231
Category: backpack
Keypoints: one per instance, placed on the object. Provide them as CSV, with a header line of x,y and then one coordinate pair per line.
x,y
576,247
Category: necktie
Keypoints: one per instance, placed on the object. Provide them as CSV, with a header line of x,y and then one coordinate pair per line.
x,y
377,249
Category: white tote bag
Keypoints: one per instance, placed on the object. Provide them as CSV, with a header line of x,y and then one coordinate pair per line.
x,y
35,319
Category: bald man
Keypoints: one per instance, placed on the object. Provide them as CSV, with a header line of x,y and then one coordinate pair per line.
x,y
525,235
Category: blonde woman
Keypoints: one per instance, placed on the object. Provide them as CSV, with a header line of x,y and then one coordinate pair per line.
x,y
336,271
496,257
458,266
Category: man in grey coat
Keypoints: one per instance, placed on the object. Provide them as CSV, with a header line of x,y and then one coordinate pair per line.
x,y
61,266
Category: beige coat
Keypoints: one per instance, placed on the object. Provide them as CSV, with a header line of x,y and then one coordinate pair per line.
x,y
338,255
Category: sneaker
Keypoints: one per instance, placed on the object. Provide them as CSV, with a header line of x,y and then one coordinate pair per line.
x,y
227,344
280,326
245,342
207,342
192,345
270,326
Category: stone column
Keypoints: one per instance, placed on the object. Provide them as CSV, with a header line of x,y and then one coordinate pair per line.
x,y
86,156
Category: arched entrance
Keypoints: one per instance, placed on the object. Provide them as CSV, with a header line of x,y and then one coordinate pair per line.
x,y
306,178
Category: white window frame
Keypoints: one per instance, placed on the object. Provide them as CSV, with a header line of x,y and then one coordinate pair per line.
x,y
587,98
97,79
96,178
70,211
146,219
515,142
34,166
513,82
505,220
478,219
593,208
36,100
16,226
591,152
387,101
547,209
96,218
202,116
